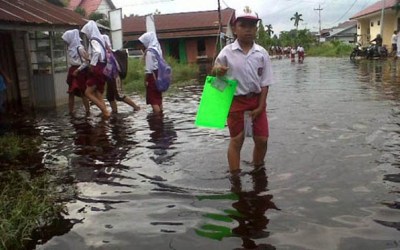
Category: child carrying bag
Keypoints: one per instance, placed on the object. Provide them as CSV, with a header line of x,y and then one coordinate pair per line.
x,y
164,75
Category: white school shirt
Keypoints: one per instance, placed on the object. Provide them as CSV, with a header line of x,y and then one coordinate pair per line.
x,y
151,62
394,39
252,71
75,60
96,53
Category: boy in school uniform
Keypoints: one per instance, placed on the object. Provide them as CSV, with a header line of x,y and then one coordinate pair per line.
x,y
250,65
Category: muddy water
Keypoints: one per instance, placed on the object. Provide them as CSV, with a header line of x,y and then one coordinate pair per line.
x,y
331,181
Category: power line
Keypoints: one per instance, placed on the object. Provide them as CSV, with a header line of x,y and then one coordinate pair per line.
x,y
319,19
352,5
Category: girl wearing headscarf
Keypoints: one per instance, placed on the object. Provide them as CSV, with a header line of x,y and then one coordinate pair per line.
x,y
77,73
153,96
114,85
97,53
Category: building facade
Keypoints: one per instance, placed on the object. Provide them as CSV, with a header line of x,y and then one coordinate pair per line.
x,y
378,18
33,54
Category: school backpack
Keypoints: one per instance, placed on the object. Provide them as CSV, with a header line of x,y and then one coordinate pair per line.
x,y
164,75
110,71
121,57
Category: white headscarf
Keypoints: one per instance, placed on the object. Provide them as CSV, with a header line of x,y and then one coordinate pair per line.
x,y
74,41
149,40
91,30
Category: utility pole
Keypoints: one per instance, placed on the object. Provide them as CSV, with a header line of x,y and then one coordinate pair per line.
x,y
382,17
319,21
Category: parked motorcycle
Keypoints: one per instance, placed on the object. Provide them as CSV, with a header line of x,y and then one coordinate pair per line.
x,y
358,51
370,52
375,51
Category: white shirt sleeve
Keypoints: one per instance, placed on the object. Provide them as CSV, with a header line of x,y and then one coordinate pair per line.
x,y
96,52
151,62
267,77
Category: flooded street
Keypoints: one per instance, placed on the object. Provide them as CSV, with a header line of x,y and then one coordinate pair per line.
x,y
331,181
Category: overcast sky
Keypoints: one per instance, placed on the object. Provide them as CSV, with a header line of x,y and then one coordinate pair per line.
x,y
275,12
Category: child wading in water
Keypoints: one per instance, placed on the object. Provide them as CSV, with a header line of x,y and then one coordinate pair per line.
x,y
77,72
250,65
153,96
96,80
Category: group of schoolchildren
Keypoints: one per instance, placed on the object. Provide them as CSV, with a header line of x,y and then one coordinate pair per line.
x,y
288,52
95,67
243,60
300,54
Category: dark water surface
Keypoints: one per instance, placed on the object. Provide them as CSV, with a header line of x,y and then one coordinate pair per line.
x,y
332,177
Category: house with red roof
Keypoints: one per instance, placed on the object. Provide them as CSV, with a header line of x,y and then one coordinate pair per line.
x,y
188,37
378,18
32,53
91,6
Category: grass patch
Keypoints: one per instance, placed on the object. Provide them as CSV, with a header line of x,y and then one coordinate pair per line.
x,y
331,49
181,73
15,149
26,205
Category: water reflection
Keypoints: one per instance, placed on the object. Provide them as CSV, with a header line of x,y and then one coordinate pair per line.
x,y
249,211
162,136
252,207
100,147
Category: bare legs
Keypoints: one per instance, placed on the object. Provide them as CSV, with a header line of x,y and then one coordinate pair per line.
x,y
71,104
157,108
97,98
235,146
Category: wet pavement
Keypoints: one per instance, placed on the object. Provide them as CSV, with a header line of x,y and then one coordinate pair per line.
x,y
331,181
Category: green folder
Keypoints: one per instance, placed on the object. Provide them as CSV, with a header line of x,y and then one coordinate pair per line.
x,y
215,102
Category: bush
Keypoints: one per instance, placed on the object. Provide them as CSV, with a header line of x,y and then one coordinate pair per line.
x,y
181,73
331,49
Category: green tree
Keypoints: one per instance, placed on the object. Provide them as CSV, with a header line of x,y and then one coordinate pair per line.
x,y
269,30
262,36
296,18
81,11
100,18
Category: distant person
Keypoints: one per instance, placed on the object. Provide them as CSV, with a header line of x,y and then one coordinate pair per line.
x,y
153,96
398,45
394,42
378,40
77,72
292,54
300,54
114,85
251,93
96,79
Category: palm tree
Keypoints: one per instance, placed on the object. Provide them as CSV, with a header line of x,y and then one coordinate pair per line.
x,y
269,30
297,19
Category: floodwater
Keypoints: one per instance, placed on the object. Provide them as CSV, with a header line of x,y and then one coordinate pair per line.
x,y
331,180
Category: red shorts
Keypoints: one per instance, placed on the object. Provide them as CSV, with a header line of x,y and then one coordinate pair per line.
x,y
153,96
76,84
241,104
96,77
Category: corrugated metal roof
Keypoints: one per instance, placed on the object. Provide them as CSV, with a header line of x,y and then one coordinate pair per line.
x,y
188,24
374,8
37,12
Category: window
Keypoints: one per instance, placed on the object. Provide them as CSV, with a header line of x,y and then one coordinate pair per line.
x,y
379,23
201,47
372,24
47,50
